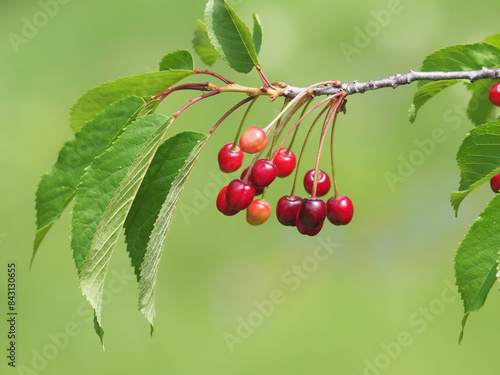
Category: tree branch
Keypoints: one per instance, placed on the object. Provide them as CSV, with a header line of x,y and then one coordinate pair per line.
x,y
394,81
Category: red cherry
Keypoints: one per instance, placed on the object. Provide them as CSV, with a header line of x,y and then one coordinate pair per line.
x,y
307,231
323,182
263,173
339,210
495,183
230,158
222,204
494,94
258,190
253,140
312,212
239,194
258,212
285,162
287,210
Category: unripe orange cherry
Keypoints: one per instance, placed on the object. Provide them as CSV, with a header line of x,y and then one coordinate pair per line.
x,y
258,212
253,140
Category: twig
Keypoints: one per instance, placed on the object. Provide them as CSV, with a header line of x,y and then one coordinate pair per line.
x,y
394,81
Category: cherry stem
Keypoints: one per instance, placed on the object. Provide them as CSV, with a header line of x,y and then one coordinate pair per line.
x,y
302,118
243,121
239,104
281,126
274,138
303,148
333,107
297,128
305,92
263,78
223,79
331,154
192,101
328,118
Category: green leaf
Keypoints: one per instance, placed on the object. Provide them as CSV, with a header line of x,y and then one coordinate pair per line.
x,y
177,60
493,39
105,196
98,330
98,98
462,57
149,267
426,92
479,153
257,32
478,159
230,36
480,110
202,45
457,197
57,187
102,178
476,258
454,58
169,159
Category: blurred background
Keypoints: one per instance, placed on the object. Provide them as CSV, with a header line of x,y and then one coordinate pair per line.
x,y
375,297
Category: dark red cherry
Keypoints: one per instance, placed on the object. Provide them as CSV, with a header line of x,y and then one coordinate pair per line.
x,y
258,190
222,204
494,94
323,182
285,162
495,183
230,158
307,231
239,194
263,173
312,212
339,210
287,209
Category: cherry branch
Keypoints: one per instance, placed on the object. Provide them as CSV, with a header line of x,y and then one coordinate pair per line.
x,y
393,81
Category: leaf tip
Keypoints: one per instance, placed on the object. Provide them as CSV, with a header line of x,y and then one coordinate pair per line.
x,y
412,113
461,336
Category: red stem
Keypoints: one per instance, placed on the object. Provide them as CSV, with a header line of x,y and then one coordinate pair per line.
x,y
301,119
328,119
331,155
186,86
246,100
192,101
213,74
303,148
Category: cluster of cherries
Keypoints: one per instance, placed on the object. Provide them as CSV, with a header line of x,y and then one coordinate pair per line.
x,y
494,96
307,214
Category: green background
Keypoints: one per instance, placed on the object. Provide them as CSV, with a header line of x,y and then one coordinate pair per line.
x,y
383,302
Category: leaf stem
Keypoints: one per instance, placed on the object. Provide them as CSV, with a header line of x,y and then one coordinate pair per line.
x,y
216,75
